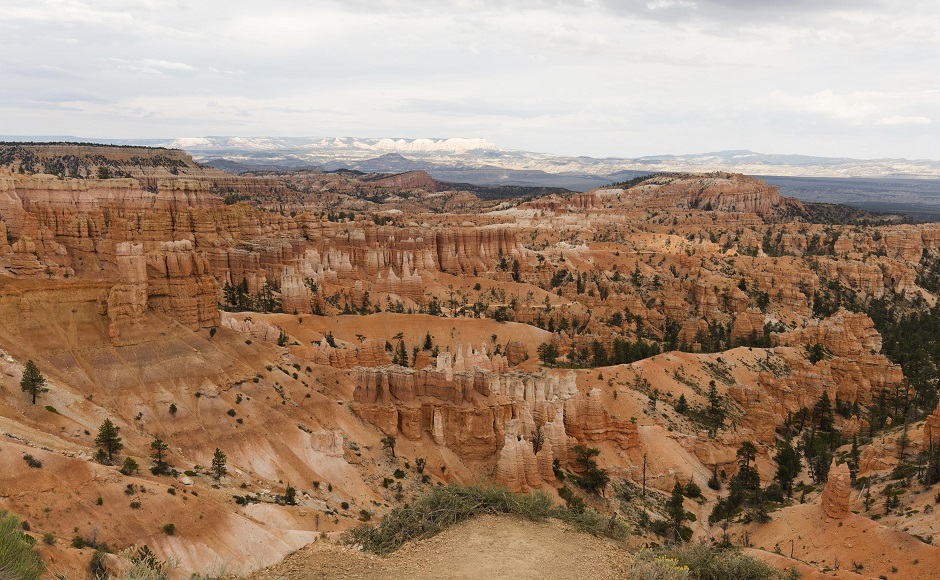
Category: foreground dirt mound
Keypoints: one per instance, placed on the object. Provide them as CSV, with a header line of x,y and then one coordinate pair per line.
x,y
485,547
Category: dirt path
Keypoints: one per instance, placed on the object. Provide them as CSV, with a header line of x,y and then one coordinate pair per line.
x,y
487,547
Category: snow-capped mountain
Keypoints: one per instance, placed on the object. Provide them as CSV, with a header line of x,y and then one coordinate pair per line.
x,y
466,153
349,144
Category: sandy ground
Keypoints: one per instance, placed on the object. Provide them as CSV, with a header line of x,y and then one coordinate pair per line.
x,y
483,548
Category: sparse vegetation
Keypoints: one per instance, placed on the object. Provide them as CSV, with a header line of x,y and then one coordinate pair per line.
x,y
442,507
703,562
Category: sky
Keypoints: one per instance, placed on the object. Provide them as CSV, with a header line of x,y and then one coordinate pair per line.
x,y
619,78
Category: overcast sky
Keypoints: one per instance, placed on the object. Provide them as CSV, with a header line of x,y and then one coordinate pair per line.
x,y
857,78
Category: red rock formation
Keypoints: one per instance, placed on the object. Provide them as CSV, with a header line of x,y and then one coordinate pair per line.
x,y
517,467
835,496
587,421
408,180
932,428
747,325
725,192
179,284
516,352
844,334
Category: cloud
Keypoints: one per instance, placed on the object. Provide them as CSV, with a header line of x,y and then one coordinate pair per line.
x,y
167,65
875,108
600,77
854,108
896,120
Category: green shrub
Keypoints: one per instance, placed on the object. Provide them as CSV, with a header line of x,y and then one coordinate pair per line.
x,y
18,559
169,529
658,568
443,507
32,461
704,562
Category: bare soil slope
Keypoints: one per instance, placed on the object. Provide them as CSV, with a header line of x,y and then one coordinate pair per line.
x,y
484,547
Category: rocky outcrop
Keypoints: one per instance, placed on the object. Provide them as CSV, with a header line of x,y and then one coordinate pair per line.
x,y
127,301
844,334
517,467
932,428
516,352
725,192
179,284
587,421
835,497
748,325
408,180
793,382
259,330
477,413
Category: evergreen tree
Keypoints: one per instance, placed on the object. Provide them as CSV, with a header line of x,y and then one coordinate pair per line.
x,y
129,467
932,471
548,353
599,354
108,440
823,415
218,464
682,405
32,382
788,465
854,458
593,478
716,410
388,442
676,511
157,450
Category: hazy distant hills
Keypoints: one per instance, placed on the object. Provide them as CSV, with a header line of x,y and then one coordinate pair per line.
x,y
394,154
912,186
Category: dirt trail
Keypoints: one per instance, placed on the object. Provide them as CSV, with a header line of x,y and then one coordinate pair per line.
x,y
487,547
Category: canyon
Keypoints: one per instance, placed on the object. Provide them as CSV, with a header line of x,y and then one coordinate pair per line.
x,y
360,338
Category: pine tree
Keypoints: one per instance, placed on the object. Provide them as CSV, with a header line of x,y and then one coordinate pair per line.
x,y
388,442
788,465
823,416
32,382
932,472
676,511
218,464
401,354
157,449
108,440
129,467
715,409
682,405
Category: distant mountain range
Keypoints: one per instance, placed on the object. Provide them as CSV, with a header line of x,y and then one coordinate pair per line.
x,y
893,185
460,154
